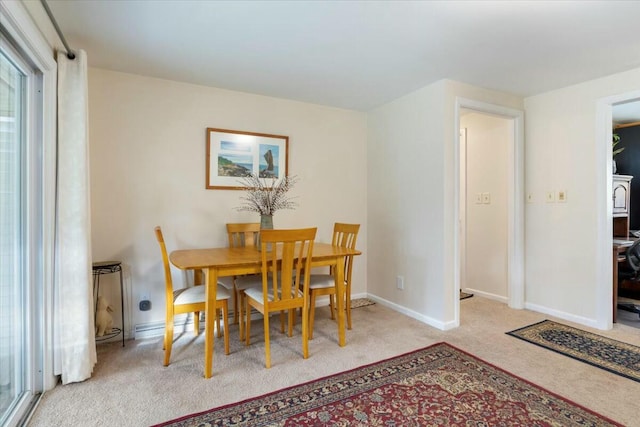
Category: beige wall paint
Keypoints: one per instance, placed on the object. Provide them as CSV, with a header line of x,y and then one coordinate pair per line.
x,y
488,138
562,154
411,203
147,139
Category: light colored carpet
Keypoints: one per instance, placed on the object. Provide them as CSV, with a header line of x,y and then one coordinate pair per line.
x,y
130,387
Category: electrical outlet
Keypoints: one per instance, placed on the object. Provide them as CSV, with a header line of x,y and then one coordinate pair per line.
x,y
145,302
400,282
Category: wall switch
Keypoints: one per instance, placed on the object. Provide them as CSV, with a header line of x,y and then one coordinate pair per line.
x,y
400,282
478,198
486,198
530,198
562,196
551,197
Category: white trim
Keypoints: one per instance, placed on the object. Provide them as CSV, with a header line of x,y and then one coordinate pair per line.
x,y
155,329
562,315
462,222
443,326
604,207
515,201
488,295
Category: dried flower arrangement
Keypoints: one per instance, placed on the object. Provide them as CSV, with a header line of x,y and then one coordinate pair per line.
x,y
265,198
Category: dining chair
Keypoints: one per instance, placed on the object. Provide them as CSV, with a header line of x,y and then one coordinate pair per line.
x,y
244,234
284,270
188,300
344,235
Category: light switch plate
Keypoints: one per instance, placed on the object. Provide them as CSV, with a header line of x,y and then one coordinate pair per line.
x,y
478,198
486,198
562,196
551,197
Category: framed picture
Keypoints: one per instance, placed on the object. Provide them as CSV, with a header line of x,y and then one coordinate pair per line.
x,y
232,154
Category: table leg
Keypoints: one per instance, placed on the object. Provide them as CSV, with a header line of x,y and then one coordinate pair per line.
x,y
339,278
211,281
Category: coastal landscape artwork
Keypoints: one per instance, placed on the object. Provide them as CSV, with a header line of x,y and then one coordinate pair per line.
x,y
233,154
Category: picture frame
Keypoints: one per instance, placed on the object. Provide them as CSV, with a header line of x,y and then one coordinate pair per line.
x,y
232,154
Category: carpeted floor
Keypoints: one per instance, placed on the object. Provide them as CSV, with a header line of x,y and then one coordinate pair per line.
x,y
438,385
614,356
130,387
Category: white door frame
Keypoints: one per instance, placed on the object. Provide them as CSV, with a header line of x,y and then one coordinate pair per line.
x,y
515,201
604,206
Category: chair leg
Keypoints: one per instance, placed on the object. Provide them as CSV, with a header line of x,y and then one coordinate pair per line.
x,y
168,340
196,322
305,334
332,306
225,322
348,306
237,311
217,311
267,347
247,329
239,300
312,314
282,321
291,321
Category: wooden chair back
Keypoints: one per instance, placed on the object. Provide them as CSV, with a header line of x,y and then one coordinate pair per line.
x,y
167,268
286,267
243,234
345,236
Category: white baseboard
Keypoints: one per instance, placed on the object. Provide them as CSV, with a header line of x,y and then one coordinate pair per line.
x,y
487,295
444,326
563,315
156,329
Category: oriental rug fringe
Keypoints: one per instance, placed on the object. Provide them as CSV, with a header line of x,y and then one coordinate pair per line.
x,y
361,302
605,353
436,386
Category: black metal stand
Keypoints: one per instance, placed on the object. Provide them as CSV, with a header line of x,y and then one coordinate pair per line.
x,y
107,267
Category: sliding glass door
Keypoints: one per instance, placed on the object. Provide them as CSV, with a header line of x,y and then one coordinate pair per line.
x,y
19,241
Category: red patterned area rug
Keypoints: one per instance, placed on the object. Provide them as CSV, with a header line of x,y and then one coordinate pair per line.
x,y
437,386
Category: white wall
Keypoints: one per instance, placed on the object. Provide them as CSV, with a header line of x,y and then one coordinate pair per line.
x,y
564,153
147,139
488,140
412,174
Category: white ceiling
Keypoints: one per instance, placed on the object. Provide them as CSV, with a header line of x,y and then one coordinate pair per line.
x,y
357,54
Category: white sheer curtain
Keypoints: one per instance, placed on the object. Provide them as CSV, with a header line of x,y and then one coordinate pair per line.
x,y
76,349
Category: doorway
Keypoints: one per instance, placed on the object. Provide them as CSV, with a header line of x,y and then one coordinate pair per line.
x,y
604,203
513,199
484,144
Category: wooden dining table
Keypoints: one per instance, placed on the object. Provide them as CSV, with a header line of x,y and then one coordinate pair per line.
x,y
219,262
